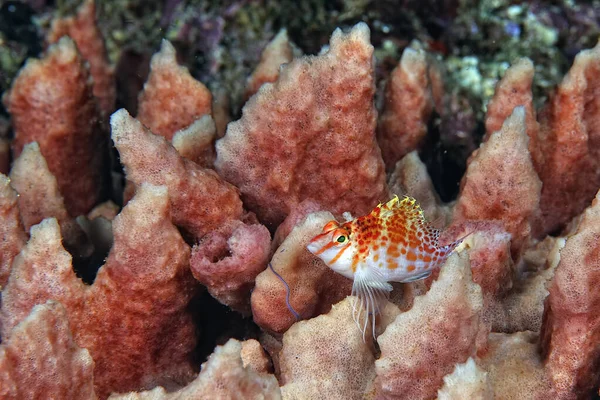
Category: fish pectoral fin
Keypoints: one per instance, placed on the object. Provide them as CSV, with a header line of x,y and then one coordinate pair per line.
x,y
371,292
417,277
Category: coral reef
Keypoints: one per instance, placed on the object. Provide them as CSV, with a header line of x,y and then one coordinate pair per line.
x,y
121,288
319,116
66,371
134,315
51,102
571,328
171,89
84,31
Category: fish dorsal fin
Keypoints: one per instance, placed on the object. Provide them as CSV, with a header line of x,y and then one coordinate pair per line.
x,y
407,207
371,290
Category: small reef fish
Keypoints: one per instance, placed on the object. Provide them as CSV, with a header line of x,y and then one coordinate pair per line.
x,y
394,243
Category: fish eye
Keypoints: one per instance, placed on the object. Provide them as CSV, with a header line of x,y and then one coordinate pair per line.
x,y
341,239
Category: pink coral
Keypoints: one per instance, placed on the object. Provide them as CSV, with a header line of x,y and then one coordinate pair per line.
x,y
42,361
196,142
171,89
11,228
201,201
133,319
335,364
423,344
313,286
223,376
569,138
279,51
51,102
310,135
84,31
407,108
571,326
227,261
501,182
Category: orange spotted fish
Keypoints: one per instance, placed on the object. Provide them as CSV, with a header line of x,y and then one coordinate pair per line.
x,y
393,243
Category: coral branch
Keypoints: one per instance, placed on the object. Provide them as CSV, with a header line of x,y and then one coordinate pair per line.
x,y
571,326
172,99
51,102
501,183
310,135
84,30
11,228
408,106
441,329
41,360
201,201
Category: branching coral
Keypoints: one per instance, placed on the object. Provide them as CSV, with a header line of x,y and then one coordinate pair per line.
x,y
11,228
408,106
223,376
279,51
201,201
42,361
51,102
442,329
171,89
83,29
310,135
571,327
336,363
133,319
501,182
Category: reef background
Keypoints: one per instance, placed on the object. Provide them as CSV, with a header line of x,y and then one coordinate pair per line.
x,y
221,42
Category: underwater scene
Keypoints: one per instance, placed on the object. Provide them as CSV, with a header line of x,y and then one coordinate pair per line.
x,y
261,199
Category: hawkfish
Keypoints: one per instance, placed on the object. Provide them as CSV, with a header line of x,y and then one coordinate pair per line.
x,y
394,243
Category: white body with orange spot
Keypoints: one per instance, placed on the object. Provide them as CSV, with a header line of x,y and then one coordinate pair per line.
x,y
393,243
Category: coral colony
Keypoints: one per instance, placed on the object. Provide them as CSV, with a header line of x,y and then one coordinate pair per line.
x,y
122,228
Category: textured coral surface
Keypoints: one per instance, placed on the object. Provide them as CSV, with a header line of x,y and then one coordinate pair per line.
x,y
171,89
174,265
319,116
51,102
42,361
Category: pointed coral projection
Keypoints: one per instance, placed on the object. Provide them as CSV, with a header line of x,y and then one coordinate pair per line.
x,y
514,90
11,229
442,328
501,182
41,360
51,103
310,135
197,141
172,99
313,286
83,29
408,106
133,319
278,51
223,376
335,364
570,143
571,328
200,200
